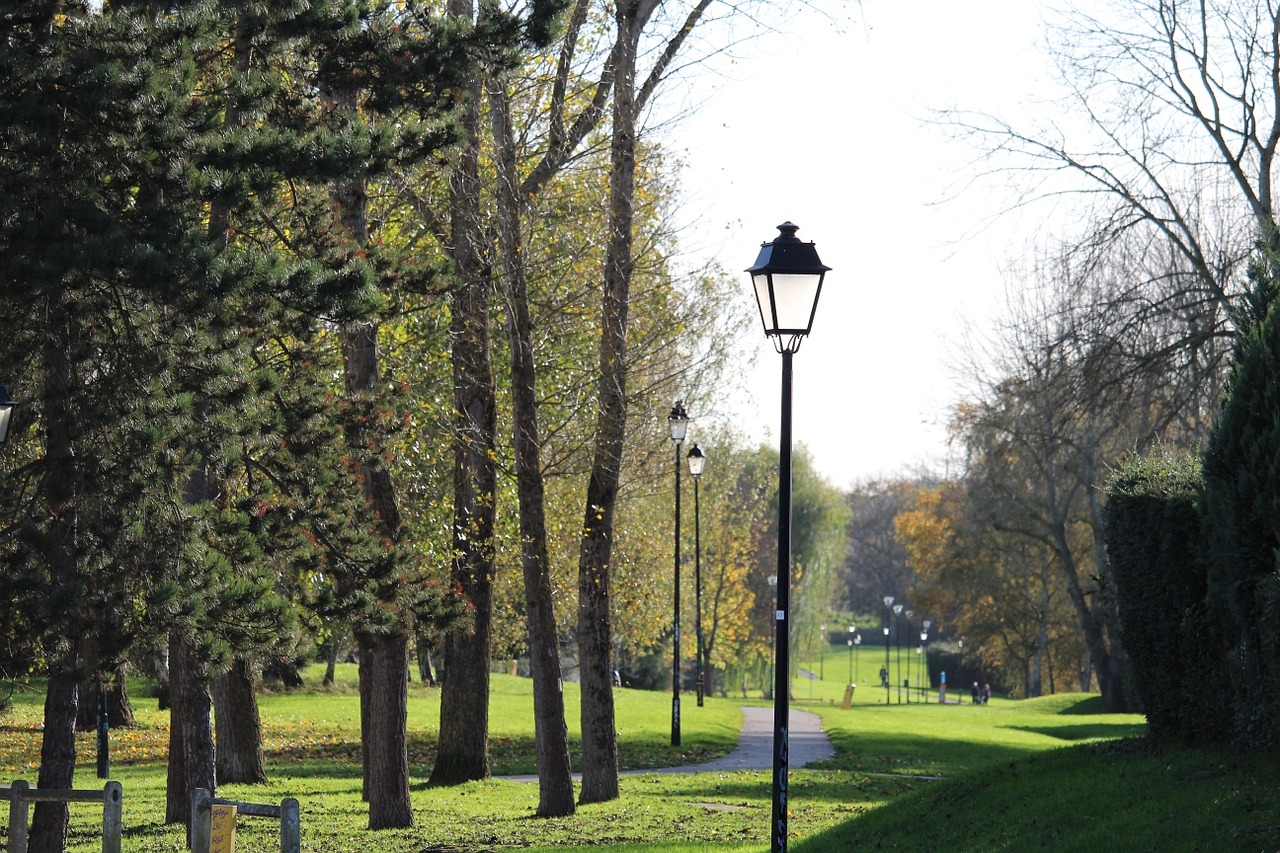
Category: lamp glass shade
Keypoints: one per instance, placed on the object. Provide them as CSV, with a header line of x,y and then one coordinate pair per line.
x,y
678,421
888,601
897,609
787,301
787,277
697,460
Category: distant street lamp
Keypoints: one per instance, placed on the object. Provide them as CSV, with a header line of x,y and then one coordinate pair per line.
x,y
924,638
826,641
888,614
697,459
852,628
857,653
6,413
897,612
679,422
907,684
787,278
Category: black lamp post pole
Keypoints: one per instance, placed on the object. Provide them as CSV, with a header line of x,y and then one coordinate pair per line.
x,y
697,579
782,633
888,615
787,278
675,655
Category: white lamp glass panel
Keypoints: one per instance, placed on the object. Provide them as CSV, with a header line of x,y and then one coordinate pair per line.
x,y
696,464
794,297
679,426
764,302
6,411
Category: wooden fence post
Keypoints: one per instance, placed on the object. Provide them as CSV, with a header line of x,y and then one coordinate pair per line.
x,y
290,826
112,817
200,821
18,816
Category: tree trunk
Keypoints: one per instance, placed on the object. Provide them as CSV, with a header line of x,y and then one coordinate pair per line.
x,y
58,742
595,642
238,726
119,708
555,779
191,746
462,753
57,764
331,664
384,679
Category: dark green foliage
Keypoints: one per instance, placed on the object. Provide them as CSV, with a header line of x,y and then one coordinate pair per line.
x,y
1242,509
1155,547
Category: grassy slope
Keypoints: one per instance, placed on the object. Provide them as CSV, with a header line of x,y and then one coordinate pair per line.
x,y
1005,784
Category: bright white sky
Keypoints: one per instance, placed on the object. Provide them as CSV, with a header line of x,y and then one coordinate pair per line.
x,y
825,125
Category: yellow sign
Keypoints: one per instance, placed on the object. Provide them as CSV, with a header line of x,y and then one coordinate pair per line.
x,y
222,829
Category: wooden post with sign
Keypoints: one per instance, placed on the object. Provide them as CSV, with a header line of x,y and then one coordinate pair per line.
x,y
213,822
848,697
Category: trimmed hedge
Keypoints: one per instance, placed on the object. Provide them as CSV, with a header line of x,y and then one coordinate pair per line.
x,y
1154,543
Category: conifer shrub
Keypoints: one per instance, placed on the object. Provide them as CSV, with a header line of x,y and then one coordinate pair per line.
x,y
1242,512
1155,545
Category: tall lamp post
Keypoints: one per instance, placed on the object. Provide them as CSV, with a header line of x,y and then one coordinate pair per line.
x,y
679,422
852,628
857,653
6,413
822,650
888,614
697,459
897,613
787,278
924,638
910,670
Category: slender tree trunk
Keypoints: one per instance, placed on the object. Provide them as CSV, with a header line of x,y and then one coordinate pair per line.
x,y
331,664
386,675
555,780
462,752
191,746
383,657
595,642
58,741
238,726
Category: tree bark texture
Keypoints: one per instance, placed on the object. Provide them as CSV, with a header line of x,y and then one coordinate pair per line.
x,y
384,688
555,779
595,642
191,746
463,747
62,643
238,726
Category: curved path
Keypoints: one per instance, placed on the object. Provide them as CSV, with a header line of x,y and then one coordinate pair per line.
x,y
807,743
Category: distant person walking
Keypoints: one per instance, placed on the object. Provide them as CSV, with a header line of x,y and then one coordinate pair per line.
x,y
974,693
884,678
986,693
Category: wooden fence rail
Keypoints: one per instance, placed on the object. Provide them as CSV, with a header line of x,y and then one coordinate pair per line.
x,y
287,813
20,794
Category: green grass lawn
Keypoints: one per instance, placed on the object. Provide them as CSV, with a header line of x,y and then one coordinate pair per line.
x,y
1033,775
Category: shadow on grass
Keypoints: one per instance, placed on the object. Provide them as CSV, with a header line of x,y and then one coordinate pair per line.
x,y
1085,731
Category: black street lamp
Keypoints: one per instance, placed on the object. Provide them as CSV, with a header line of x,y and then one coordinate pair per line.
x,y
852,628
857,654
697,460
924,639
787,278
6,413
910,670
888,614
897,613
822,650
679,422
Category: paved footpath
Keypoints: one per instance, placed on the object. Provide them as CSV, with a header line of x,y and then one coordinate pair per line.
x,y
807,743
